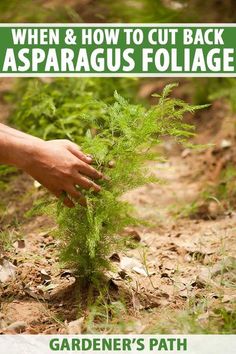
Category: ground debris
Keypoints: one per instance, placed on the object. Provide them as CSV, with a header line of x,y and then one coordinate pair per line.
x,y
132,233
19,244
128,263
7,271
75,327
16,327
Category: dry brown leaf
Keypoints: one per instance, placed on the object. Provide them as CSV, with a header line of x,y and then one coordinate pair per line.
x,y
7,271
75,327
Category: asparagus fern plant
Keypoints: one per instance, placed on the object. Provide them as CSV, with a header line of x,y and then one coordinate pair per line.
x,y
121,147
121,137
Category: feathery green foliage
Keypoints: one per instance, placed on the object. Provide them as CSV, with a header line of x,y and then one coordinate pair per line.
x,y
120,136
125,136
55,109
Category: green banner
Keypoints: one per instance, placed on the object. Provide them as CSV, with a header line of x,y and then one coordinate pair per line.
x,y
117,50
123,344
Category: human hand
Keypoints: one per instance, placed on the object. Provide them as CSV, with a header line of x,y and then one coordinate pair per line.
x,y
60,166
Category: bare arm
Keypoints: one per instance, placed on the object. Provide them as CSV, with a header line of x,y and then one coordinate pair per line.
x,y
58,165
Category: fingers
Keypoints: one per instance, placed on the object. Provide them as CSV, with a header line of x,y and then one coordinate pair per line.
x,y
66,201
74,169
87,184
74,193
89,171
84,161
75,150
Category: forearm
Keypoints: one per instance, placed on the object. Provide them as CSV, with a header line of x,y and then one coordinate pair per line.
x,y
59,165
15,147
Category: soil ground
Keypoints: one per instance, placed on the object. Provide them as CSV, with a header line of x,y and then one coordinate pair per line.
x,y
179,278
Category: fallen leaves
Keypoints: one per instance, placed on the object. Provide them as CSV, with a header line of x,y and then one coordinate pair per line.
x,y
19,244
132,233
128,263
75,327
15,328
7,271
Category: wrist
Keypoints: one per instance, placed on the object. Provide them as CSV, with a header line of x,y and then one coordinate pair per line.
x,y
26,151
